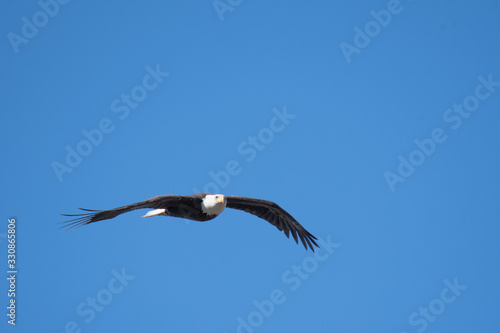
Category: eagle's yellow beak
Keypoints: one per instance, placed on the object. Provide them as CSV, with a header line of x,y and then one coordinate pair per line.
x,y
220,199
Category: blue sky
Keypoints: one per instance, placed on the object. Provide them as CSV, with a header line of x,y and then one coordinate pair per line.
x,y
374,123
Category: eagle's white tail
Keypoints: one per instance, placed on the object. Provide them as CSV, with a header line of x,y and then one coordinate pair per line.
x,y
155,212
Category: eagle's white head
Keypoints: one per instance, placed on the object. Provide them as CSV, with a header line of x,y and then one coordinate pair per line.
x,y
213,204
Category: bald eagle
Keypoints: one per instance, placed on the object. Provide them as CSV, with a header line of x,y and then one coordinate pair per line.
x,y
203,207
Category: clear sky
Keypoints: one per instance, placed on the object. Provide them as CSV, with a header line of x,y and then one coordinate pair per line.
x,y
374,123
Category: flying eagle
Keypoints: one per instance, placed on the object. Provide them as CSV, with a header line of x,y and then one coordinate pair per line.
x,y
203,207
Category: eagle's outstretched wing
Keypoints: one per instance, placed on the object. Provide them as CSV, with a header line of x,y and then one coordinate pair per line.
x,y
161,201
275,215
